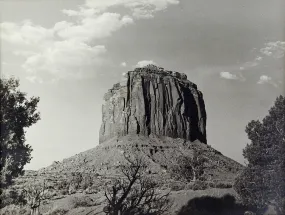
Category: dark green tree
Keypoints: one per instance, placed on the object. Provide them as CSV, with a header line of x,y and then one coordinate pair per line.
x,y
17,113
262,183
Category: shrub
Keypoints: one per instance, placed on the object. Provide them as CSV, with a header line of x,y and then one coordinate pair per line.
x,y
223,185
199,185
211,184
15,210
35,194
189,168
82,202
12,196
57,211
177,186
79,181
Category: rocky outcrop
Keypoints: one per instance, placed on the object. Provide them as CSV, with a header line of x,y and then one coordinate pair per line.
x,y
154,101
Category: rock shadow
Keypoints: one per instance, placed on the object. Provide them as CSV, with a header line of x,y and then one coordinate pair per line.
x,y
207,205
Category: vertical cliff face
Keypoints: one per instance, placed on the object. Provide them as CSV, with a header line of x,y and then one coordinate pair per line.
x,y
151,100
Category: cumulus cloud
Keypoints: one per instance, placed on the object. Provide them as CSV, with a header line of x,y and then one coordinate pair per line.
x,y
264,79
24,53
66,59
228,75
145,63
83,12
123,64
258,58
93,28
270,50
275,49
139,8
64,50
34,79
25,33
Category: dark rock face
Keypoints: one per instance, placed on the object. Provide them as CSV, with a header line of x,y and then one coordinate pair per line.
x,y
153,101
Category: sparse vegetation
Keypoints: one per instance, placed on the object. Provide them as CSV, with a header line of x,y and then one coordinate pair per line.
x,y
35,193
135,193
80,180
82,202
189,168
262,183
14,210
12,196
57,211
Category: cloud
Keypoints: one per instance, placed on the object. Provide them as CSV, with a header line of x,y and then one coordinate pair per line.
x,y
66,59
64,50
228,75
258,58
145,63
25,33
139,8
264,79
275,49
91,28
250,64
270,50
24,53
123,64
34,79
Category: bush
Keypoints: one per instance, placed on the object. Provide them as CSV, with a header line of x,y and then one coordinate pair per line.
x,y
211,184
62,185
14,210
177,186
12,196
79,181
199,185
82,202
63,192
36,193
189,168
57,211
223,185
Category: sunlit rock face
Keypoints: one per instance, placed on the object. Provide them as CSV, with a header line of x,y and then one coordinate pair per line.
x,y
154,101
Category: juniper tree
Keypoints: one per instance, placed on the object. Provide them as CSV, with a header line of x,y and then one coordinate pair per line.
x,y
17,112
262,183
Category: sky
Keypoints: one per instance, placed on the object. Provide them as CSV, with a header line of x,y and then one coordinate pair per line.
x,y
69,53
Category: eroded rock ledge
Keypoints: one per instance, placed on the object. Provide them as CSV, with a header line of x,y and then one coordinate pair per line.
x,y
151,100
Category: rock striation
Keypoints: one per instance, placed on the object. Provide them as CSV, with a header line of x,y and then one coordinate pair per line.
x,y
154,101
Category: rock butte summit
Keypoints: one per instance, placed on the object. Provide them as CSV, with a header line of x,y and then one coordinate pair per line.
x,y
154,101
